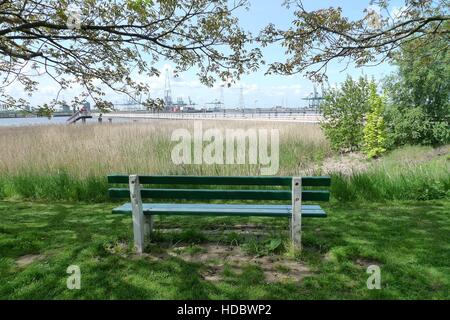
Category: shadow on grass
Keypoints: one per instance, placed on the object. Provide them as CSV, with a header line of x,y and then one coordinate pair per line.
x,y
409,241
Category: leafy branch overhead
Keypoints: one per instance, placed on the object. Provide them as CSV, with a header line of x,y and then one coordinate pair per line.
x,y
104,44
318,37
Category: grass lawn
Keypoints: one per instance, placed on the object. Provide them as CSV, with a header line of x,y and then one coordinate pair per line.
x,y
409,241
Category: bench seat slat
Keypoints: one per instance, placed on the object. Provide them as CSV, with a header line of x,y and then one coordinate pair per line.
x,y
222,210
214,194
324,181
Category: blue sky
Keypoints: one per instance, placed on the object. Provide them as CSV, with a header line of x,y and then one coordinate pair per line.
x,y
277,90
268,91
259,90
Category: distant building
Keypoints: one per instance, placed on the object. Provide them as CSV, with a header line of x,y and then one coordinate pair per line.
x,y
65,108
6,107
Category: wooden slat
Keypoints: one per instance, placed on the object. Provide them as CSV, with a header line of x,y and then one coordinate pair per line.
x,y
323,181
211,194
315,195
222,210
205,194
206,180
224,180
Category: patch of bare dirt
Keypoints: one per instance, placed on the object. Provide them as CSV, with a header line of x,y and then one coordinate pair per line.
x,y
352,162
260,231
219,257
422,157
437,152
346,164
28,259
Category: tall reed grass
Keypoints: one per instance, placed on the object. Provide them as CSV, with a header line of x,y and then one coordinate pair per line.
x,y
71,162
406,182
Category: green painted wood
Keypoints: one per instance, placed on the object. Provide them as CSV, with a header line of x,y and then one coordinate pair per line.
x,y
222,210
315,195
323,181
205,194
211,194
206,180
224,180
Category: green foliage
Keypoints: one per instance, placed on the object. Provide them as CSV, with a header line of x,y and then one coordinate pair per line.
x,y
419,94
399,175
413,126
374,130
315,38
394,181
344,109
114,41
191,236
264,248
440,132
45,110
55,186
139,6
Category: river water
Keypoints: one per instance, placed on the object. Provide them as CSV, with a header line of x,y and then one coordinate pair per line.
x,y
31,121
4,122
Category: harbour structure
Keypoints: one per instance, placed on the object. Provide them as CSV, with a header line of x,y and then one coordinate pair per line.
x,y
167,91
314,99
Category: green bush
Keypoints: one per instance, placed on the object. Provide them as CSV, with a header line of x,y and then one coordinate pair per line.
x,y
374,130
343,110
419,94
412,126
440,132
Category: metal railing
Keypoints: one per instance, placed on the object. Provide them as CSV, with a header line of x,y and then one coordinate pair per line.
x,y
78,115
284,116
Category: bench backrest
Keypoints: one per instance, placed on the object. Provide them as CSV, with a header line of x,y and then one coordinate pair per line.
x,y
203,193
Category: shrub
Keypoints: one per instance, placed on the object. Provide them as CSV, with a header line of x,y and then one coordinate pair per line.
x,y
343,110
419,94
413,126
374,130
440,132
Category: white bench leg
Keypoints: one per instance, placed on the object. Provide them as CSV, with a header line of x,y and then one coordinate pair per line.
x,y
148,227
296,219
138,214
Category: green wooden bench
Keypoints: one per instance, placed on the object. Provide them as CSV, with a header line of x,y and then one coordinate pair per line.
x,y
284,189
